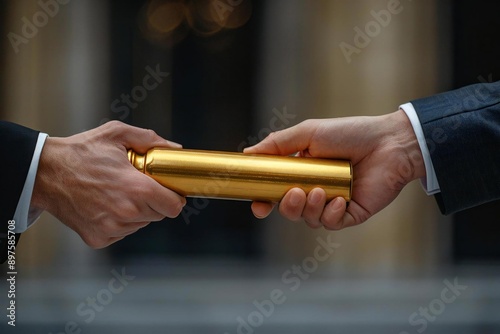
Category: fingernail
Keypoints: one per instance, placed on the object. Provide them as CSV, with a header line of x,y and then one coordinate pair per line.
x,y
294,199
314,197
338,203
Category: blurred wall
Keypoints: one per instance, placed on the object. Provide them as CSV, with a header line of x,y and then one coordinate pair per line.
x,y
56,81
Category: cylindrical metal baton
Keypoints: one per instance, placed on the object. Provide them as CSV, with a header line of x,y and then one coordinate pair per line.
x,y
230,175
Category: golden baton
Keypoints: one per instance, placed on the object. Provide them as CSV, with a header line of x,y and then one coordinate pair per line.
x,y
231,175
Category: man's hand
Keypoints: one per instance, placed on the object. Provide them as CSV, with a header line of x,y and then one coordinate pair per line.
x,y
88,183
383,150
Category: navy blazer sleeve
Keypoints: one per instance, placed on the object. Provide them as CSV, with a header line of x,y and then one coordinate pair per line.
x,y
462,130
17,145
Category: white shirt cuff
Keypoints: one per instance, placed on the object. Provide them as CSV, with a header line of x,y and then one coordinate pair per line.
x,y
25,215
430,182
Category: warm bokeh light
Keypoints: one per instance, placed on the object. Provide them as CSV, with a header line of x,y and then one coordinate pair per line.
x,y
167,16
169,21
231,17
200,19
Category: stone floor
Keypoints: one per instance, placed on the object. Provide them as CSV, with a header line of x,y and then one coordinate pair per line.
x,y
216,299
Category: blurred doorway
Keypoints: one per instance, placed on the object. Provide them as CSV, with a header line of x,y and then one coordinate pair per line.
x,y
207,103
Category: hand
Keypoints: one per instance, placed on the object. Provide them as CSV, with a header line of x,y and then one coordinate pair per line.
x,y
88,183
383,150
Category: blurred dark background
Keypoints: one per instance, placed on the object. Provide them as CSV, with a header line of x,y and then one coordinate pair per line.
x,y
212,92
225,69
475,59
213,86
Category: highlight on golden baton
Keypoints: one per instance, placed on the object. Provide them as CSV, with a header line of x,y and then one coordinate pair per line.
x,y
232,175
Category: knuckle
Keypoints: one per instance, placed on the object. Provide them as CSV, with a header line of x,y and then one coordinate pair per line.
x,y
273,134
308,123
151,133
125,207
313,223
114,129
332,227
143,189
293,216
127,211
176,209
331,224
94,242
114,125
107,228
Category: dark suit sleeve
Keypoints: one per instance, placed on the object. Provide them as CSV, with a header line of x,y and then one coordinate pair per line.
x,y
462,130
17,145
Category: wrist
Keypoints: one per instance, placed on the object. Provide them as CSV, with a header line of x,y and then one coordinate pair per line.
x,y
412,165
46,176
414,153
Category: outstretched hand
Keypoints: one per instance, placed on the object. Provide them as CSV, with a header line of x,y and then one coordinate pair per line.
x,y
384,153
88,183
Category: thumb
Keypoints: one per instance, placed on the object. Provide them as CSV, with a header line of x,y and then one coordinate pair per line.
x,y
139,139
285,142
